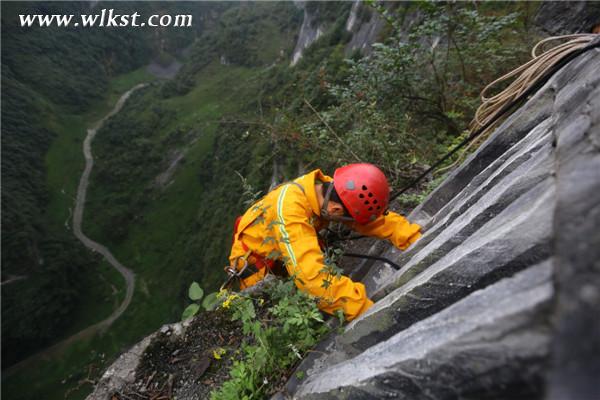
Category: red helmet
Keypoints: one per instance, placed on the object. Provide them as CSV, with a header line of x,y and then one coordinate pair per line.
x,y
363,189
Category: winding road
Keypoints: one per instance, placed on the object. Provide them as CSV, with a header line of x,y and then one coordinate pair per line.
x,y
127,274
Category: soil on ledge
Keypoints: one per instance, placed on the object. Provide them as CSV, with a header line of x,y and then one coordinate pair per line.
x,y
185,365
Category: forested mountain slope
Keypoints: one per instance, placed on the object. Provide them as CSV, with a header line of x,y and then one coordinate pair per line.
x,y
56,81
45,73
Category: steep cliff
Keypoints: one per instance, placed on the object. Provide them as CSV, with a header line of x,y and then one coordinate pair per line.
x,y
482,298
498,298
360,24
310,31
365,25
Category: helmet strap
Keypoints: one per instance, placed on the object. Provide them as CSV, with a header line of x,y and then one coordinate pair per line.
x,y
326,197
325,214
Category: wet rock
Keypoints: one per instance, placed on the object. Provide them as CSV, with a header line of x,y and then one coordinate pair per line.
x,y
576,344
516,238
491,343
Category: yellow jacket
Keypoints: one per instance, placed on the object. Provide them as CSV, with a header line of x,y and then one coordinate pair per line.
x,y
283,225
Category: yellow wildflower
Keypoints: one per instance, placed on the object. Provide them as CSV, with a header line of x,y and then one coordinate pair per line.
x,y
229,299
218,353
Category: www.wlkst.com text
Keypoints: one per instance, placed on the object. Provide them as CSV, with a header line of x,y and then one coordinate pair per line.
x,y
105,19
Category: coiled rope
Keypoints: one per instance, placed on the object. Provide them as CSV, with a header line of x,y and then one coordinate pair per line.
x,y
533,75
528,74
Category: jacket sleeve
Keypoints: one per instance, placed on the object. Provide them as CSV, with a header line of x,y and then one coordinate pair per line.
x,y
304,259
392,227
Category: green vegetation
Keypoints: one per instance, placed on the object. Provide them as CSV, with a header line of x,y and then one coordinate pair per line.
x,y
171,226
34,309
288,325
195,293
104,290
56,82
280,332
41,91
77,70
249,35
406,104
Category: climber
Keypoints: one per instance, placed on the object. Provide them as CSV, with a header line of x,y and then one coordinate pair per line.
x,y
278,234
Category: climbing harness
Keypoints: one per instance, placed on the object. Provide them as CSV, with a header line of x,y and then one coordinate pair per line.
x,y
252,262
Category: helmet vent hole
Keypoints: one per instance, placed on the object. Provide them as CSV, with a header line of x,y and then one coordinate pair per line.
x,y
367,202
370,208
375,201
370,194
364,187
362,196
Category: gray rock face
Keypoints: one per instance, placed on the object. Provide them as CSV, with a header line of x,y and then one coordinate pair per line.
x,y
486,339
566,17
363,24
365,30
576,344
468,314
309,33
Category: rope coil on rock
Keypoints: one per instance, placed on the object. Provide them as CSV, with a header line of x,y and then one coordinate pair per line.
x,y
532,75
529,73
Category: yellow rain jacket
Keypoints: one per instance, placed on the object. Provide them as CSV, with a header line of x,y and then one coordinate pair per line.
x,y
283,225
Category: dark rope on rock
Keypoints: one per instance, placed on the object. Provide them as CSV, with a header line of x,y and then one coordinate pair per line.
x,y
377,258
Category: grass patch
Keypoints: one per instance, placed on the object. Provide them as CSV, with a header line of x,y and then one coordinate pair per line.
x,y
150,243
105,290
153,245
52,378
